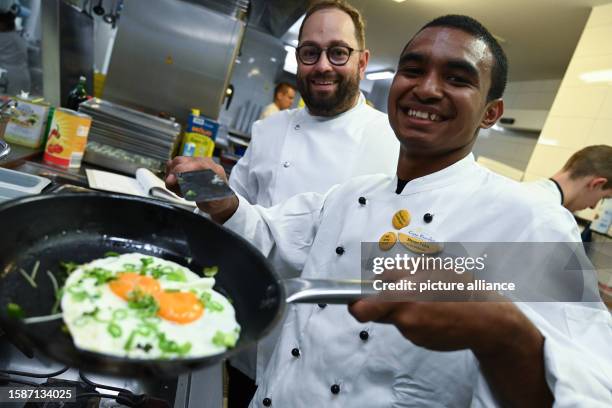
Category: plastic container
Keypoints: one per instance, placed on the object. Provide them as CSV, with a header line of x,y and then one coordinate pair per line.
x,y
28,122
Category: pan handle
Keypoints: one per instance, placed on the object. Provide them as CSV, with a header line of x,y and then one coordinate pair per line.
x,y
298,290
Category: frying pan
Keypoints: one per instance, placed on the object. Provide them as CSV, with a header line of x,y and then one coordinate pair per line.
x,y
81,227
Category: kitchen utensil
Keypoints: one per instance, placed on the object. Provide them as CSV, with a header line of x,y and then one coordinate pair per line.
x,y
80,227
110,17
99,9
203,185
5,148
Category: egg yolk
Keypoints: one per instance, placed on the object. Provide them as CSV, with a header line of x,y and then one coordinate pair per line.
x,y
129,281
179,307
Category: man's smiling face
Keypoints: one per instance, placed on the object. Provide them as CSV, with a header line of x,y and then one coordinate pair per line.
x,y
328,89
438,98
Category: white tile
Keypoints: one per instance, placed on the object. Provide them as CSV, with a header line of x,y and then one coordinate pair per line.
x,y
547,160
566,132
606,108
601,133
600,16
580,66
595,41
580,101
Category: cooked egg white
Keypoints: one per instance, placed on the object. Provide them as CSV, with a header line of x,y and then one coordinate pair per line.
x,y
139,306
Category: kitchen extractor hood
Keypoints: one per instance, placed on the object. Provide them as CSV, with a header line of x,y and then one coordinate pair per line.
x,y
524,119
172,55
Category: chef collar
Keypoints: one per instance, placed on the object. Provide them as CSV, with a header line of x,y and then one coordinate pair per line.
x,y
558,188
358,105
448,175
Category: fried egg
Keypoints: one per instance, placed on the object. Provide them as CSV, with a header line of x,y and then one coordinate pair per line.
x,y
139,306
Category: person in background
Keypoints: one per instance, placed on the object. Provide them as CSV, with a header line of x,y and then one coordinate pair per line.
x,y
335,137
449,84
13,49
584,180
284,94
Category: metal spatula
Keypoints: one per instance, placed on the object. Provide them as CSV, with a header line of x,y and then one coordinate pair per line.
x,y
203,185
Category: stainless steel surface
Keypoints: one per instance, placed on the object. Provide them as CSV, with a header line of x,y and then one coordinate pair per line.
x,y
5,149
300,290
172,56
67,50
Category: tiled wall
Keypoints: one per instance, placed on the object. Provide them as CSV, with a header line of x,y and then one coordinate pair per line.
x,y
581,114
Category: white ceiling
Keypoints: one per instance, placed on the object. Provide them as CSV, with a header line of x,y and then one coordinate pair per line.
x,y
540,34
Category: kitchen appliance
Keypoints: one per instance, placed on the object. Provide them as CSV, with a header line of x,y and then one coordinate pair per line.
x,y
174,55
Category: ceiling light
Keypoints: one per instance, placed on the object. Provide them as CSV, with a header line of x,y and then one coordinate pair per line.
x,y
386,74
597,76
399,1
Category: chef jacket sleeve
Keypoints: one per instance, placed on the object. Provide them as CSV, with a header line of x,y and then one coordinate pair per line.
x,y
289,227
577,374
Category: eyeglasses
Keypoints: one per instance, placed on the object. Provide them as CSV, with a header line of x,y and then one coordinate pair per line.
x,y
337,55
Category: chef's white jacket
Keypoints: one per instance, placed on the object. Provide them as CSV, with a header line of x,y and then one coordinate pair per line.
x,y
469,204
293,152
544,188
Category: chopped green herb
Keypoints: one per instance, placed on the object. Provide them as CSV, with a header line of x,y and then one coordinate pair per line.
x,y
15,311
128,344
224,339
77,295
35,270
210,271
212,305
145,262
170,346
129,267
119,314
111,253
27,278
176,276
58,298
190,194
145,304
171,290
114,330
146,347
101,275
69,267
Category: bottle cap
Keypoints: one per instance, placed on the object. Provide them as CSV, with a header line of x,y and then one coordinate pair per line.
x,y
195,112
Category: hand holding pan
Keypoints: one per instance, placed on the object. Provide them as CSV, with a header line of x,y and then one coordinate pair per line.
x,y
81,227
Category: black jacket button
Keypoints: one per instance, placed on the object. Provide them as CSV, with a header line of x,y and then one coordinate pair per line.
x,y
362,200
335,389
295,352
428,218
267,402
322,305
364,335
339,250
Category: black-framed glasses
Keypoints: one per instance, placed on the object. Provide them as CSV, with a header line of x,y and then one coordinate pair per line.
x,y
337,54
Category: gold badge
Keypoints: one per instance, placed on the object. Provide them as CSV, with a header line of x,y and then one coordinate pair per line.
x,y
401,219
419,244
387,241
